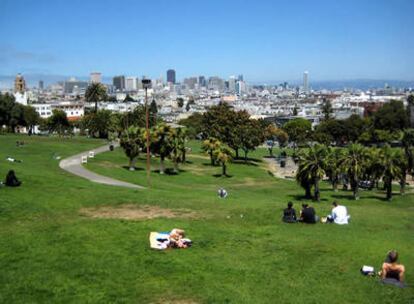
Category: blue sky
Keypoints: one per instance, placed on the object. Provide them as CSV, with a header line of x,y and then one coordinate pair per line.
x,y
264,40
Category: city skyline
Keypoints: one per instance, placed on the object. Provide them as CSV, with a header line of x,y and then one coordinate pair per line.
x,y
265,41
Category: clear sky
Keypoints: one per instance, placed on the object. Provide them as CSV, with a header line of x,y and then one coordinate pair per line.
x,y
262,39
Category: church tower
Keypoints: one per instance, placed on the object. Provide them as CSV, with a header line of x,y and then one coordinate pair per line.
x,y
19,84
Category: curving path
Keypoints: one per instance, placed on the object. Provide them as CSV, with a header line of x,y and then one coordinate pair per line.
x,y
73,165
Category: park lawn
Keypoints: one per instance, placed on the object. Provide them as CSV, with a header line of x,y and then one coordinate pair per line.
x,y
242,253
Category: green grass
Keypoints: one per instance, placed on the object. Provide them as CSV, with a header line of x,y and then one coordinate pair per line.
x,y
49,252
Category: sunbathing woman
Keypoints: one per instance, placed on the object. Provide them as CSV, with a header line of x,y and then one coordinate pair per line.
x,y
391,269
176,238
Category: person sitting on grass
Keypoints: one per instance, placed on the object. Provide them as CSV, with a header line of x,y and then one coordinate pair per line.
x,y
289,214
339,215
11,180
308,215
391,270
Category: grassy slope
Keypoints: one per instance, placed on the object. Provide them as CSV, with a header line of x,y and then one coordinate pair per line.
x,y
49,253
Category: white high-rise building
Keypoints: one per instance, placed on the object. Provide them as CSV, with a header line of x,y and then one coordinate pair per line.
x,y
306,81
131,83
96,77
232,84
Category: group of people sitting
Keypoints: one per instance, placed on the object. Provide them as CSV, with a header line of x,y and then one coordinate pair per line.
x,y
339,215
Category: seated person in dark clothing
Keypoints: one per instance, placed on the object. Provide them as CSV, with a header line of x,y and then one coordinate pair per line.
x,y
307,214
391,269
289,214
11,179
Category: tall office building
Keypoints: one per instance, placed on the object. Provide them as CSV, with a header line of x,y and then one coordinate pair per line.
x,y
131,83
202,81
240,78
41,85
19,84
190,82
306,81
119,83
74,86
232,84
171,76
96,77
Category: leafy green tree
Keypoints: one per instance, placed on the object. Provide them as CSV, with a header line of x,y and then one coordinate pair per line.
x,y
391,116
210,145
59,123
133,141
180,102
6,104
298,129
161,143
355,126
408,146
31,118
223,155
273,133
98,124
96,92
251,136
353,163
410,110
312,164
327,109
332,130
193,124
16,117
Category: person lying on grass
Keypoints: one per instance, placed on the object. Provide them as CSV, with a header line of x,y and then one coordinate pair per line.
x,y
177,239
391,269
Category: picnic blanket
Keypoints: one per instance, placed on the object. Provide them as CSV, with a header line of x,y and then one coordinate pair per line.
x,y
159,240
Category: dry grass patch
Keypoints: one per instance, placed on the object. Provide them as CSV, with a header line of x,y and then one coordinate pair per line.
x,y
137,212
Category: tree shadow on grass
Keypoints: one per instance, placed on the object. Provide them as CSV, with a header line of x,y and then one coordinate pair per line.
x,y
299,197
242,162
135,168
220,175
170,171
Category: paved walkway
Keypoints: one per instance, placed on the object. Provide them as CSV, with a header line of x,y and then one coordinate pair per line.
x,y
73,165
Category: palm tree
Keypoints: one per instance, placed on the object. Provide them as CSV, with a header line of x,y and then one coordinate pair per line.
x,y
178,139
333,166
182,139
408,144
305,182
133,141
373,168
209,146
162,143
353,163
392,162
94,93
312,164
223,155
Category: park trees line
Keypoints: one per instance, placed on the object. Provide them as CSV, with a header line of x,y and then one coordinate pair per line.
x,y
14,115
357,165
